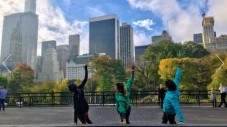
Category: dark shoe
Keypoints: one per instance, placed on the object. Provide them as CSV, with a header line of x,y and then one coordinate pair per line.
x,y
164,122
219,106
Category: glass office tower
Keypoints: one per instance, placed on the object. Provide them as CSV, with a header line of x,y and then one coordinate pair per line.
x,y
104,35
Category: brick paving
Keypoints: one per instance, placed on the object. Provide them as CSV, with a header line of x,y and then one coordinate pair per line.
x,y
107,116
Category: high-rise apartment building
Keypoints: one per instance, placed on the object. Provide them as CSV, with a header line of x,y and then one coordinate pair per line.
x,y
74,45
208,30
19,36
104,35
63,56
164,37
126,45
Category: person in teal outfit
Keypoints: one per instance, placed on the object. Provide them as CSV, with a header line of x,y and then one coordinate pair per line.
x,y
122,97
171,105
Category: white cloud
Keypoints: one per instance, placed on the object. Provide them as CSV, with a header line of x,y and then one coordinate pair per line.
x,y
218,9
183,22
52,23
147,23
58,28
95,11
140,38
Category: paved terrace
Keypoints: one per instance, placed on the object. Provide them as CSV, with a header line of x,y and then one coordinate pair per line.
x,y
107,116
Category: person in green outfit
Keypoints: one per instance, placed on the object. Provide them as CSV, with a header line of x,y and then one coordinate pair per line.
x,y
122,97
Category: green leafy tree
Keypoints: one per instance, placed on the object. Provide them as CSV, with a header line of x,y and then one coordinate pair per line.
x,y
21,79
3,81
145,73
169,49
219,73
193,50
106,72
167,70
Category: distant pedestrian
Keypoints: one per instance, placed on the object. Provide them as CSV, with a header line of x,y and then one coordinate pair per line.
x,y
80,104
171,106
122,97
213,97
3,94
161,95
223,95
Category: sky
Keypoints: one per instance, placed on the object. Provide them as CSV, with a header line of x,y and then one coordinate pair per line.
x,y
182,18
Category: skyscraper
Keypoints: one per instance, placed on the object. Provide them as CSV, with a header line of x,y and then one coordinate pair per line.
x,y
19,37
50,67
74,45
104,35
208,30
46,45
126,45
30,6
63,56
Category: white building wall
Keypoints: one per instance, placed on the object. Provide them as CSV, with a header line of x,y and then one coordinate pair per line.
x,y
75,71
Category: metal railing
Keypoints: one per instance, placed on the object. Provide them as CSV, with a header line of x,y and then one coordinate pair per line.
x,y
102,98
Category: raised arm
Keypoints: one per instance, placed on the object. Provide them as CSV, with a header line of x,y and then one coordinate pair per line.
x,y
130,80
177,77
81,86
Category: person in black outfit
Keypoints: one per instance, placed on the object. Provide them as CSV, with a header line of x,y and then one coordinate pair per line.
x,y
80,104
161,95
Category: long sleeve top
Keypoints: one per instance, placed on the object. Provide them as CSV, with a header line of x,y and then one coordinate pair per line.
x,y
171,102
122,101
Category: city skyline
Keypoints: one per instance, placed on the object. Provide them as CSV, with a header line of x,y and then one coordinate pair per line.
x,y
147,17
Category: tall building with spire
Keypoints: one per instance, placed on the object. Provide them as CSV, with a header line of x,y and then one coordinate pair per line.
x,y
20,35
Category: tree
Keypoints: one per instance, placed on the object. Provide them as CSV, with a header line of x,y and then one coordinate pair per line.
x,y
106,72
167,69
3,81
194,50
21,79
146,72
219,74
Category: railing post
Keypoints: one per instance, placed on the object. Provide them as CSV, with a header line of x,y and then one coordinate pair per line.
x,y
114,99
103,99
136,98
52,99
29,105
20,99
199,97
